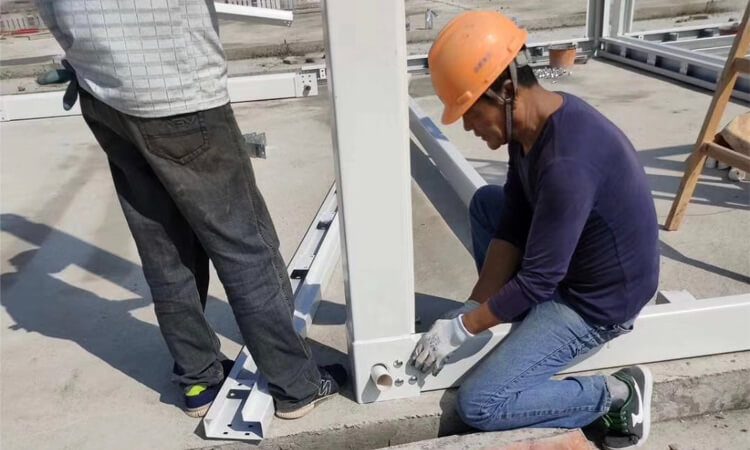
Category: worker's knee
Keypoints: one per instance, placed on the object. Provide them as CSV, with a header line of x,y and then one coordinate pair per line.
x,y
486,198
481,409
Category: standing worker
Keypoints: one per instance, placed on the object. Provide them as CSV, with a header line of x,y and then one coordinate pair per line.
x,y
153,90
568,248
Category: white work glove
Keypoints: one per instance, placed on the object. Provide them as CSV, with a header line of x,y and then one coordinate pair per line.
x,y
444,338
466,308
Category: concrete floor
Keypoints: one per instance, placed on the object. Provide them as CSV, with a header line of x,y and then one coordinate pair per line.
x,y
83,363
726,430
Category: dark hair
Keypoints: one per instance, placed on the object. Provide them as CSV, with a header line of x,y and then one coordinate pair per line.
x,y
526,77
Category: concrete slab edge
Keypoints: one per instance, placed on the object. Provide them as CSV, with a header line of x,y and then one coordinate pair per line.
x,y
673,399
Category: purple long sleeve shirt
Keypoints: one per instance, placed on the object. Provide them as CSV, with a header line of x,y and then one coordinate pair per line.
x,y
580,208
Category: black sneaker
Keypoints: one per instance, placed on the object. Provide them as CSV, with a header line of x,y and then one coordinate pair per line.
x,y
628,427
198,397
332,378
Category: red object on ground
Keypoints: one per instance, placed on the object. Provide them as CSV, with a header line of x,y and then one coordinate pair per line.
x,y
25,31
562,56
572,440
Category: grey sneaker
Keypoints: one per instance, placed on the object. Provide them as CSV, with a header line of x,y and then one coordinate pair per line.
x,y
629,426
332,378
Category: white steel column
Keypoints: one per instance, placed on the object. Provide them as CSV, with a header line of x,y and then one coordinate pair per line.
x,y
597,19
622,17
366,57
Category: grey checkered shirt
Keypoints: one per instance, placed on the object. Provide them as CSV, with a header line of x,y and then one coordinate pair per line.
x,y
146,58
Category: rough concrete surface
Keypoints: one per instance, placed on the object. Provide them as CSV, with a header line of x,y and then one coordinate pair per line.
x,y
84,365
716,431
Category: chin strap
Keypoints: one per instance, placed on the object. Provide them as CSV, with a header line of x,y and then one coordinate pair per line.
x,y
521,60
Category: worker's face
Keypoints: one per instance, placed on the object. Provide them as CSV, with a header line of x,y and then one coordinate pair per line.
x,y
486,118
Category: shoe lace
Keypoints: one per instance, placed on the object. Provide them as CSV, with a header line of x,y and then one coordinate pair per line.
x,y
617,421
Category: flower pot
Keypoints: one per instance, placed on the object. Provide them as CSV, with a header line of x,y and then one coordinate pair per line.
x,y
562,55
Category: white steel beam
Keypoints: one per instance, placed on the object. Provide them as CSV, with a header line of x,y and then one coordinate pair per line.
x,y
461,175
254,14
684,329
367,76
249,88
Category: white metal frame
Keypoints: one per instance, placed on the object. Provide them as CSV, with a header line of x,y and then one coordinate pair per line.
x,y
677,53
373,179
254,14
248,88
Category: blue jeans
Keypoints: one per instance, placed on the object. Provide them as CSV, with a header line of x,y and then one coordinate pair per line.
x,y
512,387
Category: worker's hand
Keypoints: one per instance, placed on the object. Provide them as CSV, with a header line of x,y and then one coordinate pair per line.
x,y
436,346
467,307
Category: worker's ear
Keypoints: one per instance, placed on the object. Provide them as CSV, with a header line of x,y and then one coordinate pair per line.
x,y
506,92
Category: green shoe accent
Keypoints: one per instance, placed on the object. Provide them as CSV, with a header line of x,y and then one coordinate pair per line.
x,y
617,420
195,390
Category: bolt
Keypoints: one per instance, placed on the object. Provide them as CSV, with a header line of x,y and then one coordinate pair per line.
x,y
397,363
399,382
412,379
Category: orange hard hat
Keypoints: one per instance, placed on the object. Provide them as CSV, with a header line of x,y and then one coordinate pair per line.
x,y
468,56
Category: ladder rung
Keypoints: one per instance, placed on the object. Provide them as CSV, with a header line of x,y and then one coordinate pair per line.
x,y
742,65
727,156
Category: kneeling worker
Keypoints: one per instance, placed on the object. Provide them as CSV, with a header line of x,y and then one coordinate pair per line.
x,y
568,247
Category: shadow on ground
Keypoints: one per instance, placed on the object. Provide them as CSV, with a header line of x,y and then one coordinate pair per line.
x,y
38,301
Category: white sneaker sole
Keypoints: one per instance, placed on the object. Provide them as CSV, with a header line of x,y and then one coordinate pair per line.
x,y
198,412
303,411
648,390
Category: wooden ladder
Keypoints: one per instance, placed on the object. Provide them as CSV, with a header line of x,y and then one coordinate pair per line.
x,y
705,147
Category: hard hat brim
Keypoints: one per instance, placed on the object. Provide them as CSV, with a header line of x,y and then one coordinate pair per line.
x,y
451,114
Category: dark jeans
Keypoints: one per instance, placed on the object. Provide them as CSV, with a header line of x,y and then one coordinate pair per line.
x,y
188,192
513,386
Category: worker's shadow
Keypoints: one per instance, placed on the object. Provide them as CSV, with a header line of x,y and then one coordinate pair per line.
x,y
38,301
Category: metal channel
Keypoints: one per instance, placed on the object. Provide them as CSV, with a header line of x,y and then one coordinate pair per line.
x,y
243,409
698,69
702,43
678,33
